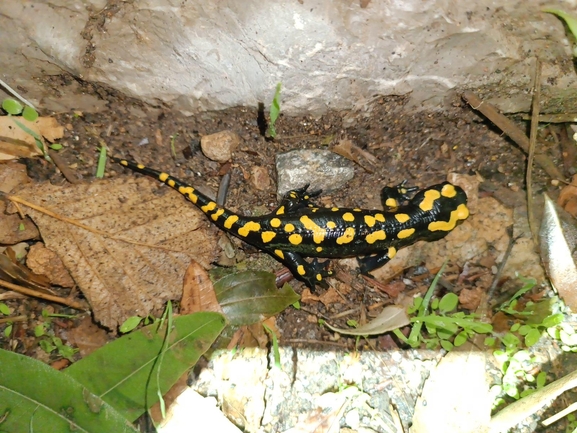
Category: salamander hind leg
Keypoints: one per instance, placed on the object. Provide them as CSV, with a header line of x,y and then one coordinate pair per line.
x,y
296,199
312,274
392,197
372,262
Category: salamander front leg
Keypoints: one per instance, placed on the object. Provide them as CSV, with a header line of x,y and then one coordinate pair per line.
x,y
311,274
296,199
392,197
370,263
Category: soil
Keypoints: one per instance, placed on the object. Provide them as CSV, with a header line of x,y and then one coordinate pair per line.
x,y
420,147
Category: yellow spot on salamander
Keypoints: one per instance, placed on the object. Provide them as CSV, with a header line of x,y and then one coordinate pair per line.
x,y
267,236
369,220
292,195
289,228
230,221
431,196
248,227
317,231
334,209
391,202
347,236
140,166
280,210
163,176
348,217
124,162
448,191
279,253
459,214
380,217
275,222
319,277
403,234
218,213
357,209
171,183
295,239
301,270
331,224
392,252
402,217
208,207
378,235
319,249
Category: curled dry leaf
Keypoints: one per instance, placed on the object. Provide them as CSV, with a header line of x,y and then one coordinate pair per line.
x,y
198,291
556,255
121,279
568,197
392,317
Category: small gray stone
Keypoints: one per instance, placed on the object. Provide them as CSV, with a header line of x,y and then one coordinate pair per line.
x,y
219,146
320,168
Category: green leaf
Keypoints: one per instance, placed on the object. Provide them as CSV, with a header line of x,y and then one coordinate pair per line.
x,y
274,111
275,349
47,346
252,296
435,304
34,397
448,303
569,19
447,345
55,146
12,106
29,114
489,341
4,309
101,163
123,373
511,341
39,330
515,327
523,330
460,339
553,320
130,324
532,337
480,327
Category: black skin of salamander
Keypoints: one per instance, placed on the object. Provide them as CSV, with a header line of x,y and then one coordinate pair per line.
x,y
298,228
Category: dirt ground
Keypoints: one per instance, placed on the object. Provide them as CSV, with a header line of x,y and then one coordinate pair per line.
x,y
420,147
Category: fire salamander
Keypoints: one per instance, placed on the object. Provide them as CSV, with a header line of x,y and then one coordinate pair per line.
x,y
297,228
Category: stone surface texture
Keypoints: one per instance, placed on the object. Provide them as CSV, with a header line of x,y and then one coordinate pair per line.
x,y
196,56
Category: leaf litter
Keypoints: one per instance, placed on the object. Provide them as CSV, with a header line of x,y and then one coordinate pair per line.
x,y
134,257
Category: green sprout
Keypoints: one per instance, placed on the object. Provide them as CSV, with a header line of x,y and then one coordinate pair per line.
x,y
274,111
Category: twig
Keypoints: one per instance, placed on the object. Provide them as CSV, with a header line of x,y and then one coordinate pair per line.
x,y
52,298
64,169
501,267
16,94
531,156
509,128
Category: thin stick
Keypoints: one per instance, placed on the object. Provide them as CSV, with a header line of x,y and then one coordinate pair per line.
x,y
532,143
514,133
52,298
16,94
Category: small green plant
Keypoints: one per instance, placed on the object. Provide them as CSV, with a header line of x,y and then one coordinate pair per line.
x,y
50,343
101,166
274,111
5,311
172,145
132,322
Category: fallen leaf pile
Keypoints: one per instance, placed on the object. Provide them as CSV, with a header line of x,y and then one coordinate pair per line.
x,y
142,241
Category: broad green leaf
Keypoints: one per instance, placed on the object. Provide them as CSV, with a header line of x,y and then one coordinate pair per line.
x,y
34,397
460,339
56,146
553,320
480,327
4,309
123,373
447,345
29,114
252,296
12,106
448,303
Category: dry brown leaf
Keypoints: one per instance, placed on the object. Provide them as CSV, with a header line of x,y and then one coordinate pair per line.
x,y
118,278
17,143
12,271
568,197
198,291
43,261
87,336
12,174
